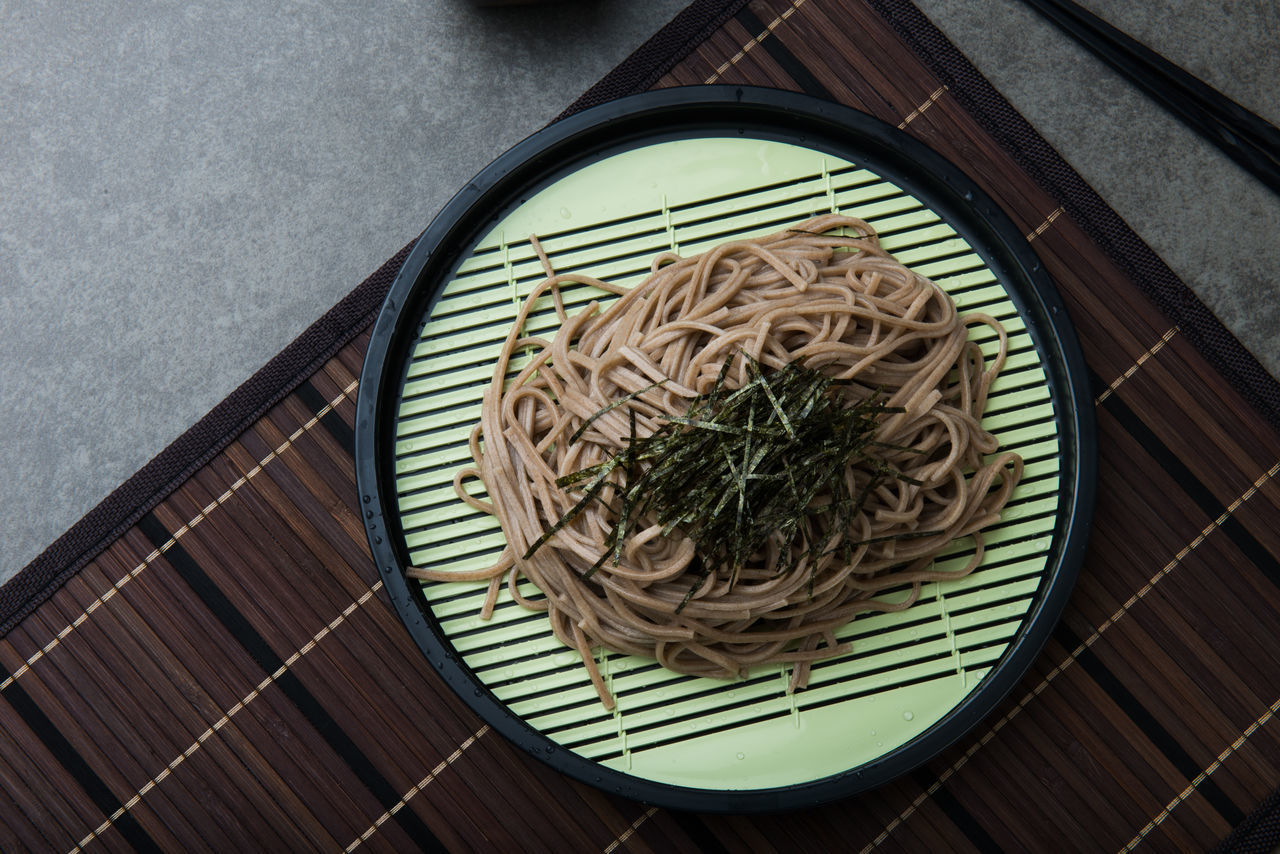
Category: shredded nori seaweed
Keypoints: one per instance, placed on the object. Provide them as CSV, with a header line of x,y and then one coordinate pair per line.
x,y
740,466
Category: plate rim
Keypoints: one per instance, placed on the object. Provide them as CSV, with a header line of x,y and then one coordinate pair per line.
x,y
570,144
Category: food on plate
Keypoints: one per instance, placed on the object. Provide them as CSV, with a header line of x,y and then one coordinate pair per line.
x,y
723,466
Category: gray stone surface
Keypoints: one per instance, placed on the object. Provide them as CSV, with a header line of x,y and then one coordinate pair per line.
x,y
184,188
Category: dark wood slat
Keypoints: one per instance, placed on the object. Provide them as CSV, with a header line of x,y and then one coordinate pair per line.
x,y
1184,584
1236,420
1086,748
109,677
1190,717
247,518
341,532
272,586
46,706
755,64
1257,516
954,134
351,357
210,784
283,589
1056,813
284,717
18,833
327,452
48,806
1147,642
95,727
1102,301
1127,739
821,39
493,756
1199,438
1066,779
262,763
231,568
705,60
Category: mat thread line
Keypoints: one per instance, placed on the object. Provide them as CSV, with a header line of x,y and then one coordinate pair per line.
x,y
1070,659
928,102
226,718
200,516
1155,348
626,834
768,30
1203,775
1044,226
413,790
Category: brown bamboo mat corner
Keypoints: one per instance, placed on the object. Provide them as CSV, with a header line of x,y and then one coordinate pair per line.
x,y
209,662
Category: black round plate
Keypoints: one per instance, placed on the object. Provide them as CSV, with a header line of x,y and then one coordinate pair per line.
x,y
724,111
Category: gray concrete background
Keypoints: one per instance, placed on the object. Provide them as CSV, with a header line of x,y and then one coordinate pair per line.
x,y
185,188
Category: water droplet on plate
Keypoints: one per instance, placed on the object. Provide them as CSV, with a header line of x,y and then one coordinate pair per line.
x,y
906,716
564,212
742,756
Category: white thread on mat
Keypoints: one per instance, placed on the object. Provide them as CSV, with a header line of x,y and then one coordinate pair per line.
x,y
928,102
1155,348
626,834
1044,226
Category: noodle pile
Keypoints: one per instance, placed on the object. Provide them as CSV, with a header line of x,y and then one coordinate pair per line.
x,y
822,293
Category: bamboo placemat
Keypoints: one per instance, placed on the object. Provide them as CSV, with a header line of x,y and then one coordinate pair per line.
x,y
208,661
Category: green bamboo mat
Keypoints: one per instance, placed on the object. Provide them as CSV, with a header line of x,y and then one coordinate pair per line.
x,y
907,670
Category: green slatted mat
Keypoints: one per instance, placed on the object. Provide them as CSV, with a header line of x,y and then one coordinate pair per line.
x,y
907,670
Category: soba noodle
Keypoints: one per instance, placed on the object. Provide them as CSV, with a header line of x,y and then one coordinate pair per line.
x,y
822,293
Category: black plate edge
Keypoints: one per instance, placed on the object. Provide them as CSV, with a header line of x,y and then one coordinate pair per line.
x,y
570,143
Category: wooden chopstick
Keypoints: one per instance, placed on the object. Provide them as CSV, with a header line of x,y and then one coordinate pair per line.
x,y
1245,137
